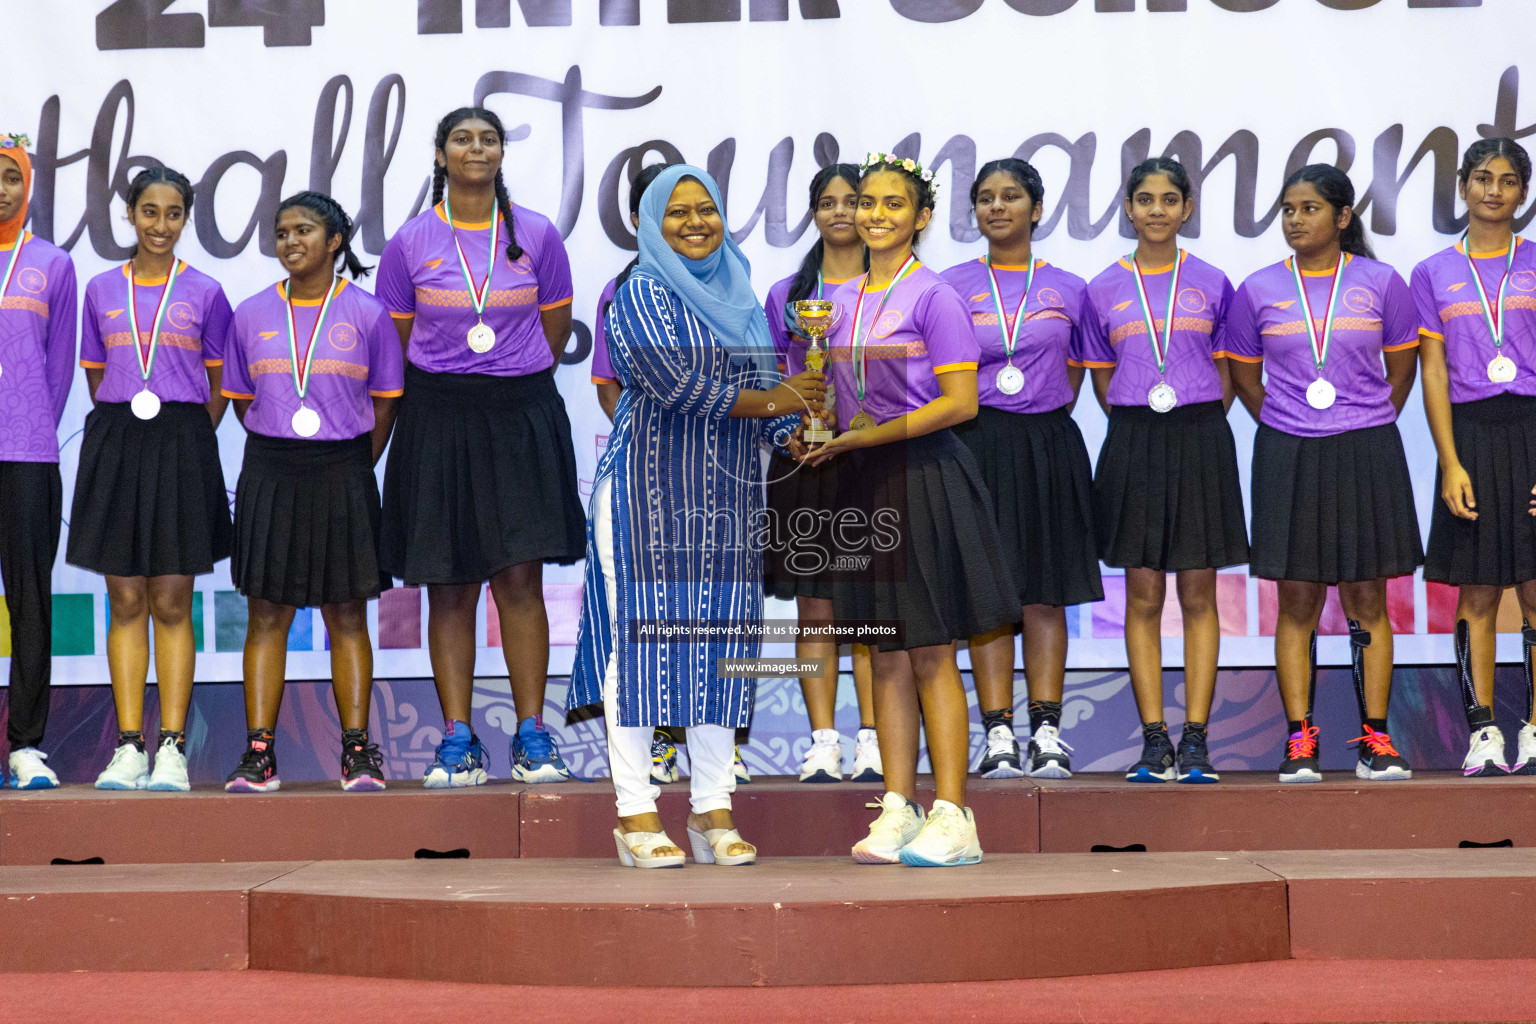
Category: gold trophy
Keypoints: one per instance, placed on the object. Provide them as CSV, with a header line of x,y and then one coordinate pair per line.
x,y
816,319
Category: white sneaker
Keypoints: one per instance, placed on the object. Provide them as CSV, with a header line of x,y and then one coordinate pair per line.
x,y
824,761
898,824
128,769
947,839
29,772
1525,751
739,768
867,766
1485,755
1048,758
1001,758
170,774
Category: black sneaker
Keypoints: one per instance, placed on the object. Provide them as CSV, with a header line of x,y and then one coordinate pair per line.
x,y
1194,758
1379,759
1048,754
1300,764
1001,760
1157,759
362,766
257,770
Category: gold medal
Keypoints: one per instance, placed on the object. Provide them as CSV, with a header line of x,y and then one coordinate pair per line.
x,y
863,421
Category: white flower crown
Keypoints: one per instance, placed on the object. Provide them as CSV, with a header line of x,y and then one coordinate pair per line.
x,y
873,161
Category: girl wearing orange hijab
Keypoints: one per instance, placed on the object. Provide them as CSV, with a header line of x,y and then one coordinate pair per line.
x,y
37,359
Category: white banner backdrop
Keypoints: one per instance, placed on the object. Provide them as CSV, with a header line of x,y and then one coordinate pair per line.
x,y
257,99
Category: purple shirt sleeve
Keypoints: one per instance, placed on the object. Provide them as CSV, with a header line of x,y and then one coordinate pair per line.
x,y
93,351
1080,311
1095,347
1399,321
216,320
602,366
553,270
948,332
236,382
386,363
392,286
1239,337
1423,290
63,305
1220,314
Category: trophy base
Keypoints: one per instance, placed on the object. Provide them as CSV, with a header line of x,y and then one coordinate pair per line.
x,y
816,436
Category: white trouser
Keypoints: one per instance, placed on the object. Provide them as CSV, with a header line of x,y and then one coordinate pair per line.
x,y
711,748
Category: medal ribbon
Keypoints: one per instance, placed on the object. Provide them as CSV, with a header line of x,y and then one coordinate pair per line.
x,y
147,358
1491,313
1010,335
301,379
861,343
477,294
1319,349
15,261
1159,345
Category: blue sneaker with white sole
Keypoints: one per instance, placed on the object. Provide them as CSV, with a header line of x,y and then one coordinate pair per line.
x,y
535,758
460,760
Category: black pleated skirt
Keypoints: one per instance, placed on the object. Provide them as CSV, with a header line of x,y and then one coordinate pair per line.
x,y
1496,443
307,522
801,500
149,494
936,560
1336,509
1166,492
481,476
1036,469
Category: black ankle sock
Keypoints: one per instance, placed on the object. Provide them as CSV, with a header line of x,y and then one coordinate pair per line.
x,y
134,736
1044,712
1194,729
1151,729
254,736
1294,726
1378,724
354,738
991,719
178,735
1479,717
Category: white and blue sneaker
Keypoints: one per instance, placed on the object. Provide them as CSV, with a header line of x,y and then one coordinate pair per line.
x,y
28,770
948,839
128,769
535,758
460,760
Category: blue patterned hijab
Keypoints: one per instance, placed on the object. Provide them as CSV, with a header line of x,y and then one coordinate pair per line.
x,y
718,288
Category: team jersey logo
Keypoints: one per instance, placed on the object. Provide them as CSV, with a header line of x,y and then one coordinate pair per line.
x,y
983,297
1192,300
1051,297
113,314
1458,286
343,337
267,335
433,264
1523,281
1287,304
1123,305
181,316
32,280
889,321
1358,300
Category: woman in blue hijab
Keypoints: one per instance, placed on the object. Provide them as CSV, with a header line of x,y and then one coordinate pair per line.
x,y
674,540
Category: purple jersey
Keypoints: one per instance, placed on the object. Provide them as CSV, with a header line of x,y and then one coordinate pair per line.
x,y
420,276
1050,336
37,350
1374,314
191,336
1449,308
357,355
923,330
1115,330
602,369
789,348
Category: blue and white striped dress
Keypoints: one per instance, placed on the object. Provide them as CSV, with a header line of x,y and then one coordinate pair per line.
x,y
687,517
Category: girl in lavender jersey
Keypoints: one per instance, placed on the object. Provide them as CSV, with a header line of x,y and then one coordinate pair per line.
x,y
314,369
150,510
481,479
1167,496
1477,331
1027,315
803,499
903,360
37,363
1332,499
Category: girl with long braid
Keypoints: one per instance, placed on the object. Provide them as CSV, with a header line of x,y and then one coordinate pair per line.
x,y
481,479
150,511
314,370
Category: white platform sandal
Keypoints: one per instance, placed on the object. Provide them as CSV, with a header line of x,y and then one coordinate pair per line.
x,y
635,850
710,846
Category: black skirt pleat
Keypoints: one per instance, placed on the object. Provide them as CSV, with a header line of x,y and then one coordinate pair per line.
x,y
307,522
801,500
481,476
1037,472
937,565
1335,509
149,494
1496,443
1166,492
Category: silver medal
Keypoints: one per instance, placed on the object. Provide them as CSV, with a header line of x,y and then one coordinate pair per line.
x,y
306,422
1010,380
1162,398
1321,394
481,338
145,405
1501,370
